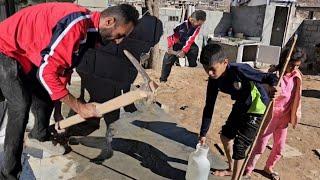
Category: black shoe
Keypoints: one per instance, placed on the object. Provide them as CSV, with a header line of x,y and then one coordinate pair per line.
x,y
130,108
47,137
163,80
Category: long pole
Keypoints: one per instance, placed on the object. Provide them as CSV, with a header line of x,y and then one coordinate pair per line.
x,y
265,121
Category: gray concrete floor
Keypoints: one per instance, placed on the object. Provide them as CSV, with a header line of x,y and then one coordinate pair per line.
x,y
147,144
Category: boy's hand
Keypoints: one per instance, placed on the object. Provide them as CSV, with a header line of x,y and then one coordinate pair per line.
x,y
202,140
171,51
272,69
181,54
274,92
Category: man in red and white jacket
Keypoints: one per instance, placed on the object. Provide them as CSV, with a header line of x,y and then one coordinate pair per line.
x,y
182,44
39,47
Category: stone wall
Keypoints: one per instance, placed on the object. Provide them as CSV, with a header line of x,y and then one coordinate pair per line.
x,y
309,36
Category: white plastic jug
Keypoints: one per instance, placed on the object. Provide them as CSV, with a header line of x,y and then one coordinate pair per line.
x,y
198,164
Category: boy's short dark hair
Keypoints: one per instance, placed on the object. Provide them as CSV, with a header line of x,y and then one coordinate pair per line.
x,y
123,13
199,15
212,53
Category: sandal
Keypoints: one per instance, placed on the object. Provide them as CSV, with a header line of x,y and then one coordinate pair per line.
x,y
274,176
221,173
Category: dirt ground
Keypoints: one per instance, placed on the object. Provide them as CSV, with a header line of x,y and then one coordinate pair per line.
x,y
186,88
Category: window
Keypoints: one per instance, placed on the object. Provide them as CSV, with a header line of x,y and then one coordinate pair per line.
x,y
173,18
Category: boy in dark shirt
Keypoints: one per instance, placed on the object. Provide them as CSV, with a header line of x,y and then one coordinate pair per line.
x,y
244,84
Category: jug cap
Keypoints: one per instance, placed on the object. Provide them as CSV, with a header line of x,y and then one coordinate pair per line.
x,y
202,146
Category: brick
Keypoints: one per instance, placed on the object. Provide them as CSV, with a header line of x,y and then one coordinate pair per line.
x,y
307,22
162,12
170,12
312,28
306,35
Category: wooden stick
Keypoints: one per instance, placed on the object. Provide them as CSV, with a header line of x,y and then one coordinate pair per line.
x,y
151,85
265,121
106,107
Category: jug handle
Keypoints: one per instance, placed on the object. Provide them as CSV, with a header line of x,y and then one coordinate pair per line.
x,y
197,147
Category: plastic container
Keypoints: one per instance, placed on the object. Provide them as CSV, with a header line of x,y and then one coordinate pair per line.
x,y
198,164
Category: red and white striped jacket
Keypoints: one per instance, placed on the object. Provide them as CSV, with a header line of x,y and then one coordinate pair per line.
x,y
48,36
185,34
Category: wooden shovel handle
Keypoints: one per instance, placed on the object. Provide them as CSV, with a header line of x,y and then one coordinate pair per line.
x,y
111,105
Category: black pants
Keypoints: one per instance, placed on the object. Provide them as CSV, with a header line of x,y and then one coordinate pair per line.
x,y
243,128
21,92
169,60
101,91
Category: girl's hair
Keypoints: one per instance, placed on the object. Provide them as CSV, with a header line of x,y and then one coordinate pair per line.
x,y
297,55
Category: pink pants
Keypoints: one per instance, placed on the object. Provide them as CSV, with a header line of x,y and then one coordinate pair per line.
x,y
278,128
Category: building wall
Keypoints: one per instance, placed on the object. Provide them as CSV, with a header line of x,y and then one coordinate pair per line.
x,y
248,20
92,3
267,24
217,23
309,36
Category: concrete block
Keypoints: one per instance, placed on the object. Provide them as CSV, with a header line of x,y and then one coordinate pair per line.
x,y
171,12
162,11
312,28
164,20
308,22
178,12
93,3
307,33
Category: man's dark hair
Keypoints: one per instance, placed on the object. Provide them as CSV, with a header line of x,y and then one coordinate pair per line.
x,y
199,15
123,13
212,53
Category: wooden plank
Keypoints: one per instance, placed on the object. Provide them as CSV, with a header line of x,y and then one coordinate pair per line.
x,y
111,105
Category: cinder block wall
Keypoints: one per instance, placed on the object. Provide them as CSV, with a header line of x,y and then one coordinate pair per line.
x,y
309,36
248,20
217,23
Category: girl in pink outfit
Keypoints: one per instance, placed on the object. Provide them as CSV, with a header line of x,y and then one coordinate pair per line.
x,y
286,109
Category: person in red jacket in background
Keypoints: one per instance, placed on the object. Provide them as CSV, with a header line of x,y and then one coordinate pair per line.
x,y
39,47
181,43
